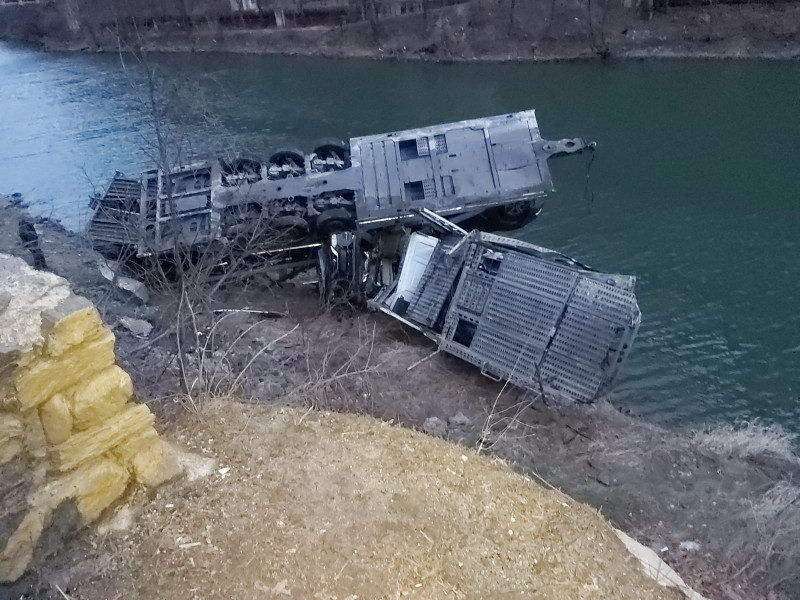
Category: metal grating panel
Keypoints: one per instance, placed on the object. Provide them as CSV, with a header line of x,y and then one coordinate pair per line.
x,y
603,300
429,188
423,148
513,353
440,143
435,286
534,275
475,293
583,337
530,316
562,375
540,324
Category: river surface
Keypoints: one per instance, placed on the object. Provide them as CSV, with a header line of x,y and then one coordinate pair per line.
x,y
695,187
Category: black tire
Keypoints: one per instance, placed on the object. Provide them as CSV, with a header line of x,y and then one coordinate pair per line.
x,y
287,156
333,146
249,168
510,216
335,220
290,228
283,155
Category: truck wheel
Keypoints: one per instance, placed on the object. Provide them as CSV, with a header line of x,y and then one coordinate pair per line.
x,y
240,170
510,216
331,155
286,162
335,220
290,228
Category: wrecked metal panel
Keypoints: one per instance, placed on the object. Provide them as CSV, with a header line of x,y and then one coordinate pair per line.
x,y
543,325
436,286
117,214
523,313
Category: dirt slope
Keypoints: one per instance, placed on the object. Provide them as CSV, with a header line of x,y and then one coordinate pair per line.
x,y
332,506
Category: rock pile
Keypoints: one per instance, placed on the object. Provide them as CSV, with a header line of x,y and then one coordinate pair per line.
x,y
69,430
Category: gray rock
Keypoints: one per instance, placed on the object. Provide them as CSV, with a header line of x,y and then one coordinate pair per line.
x,y
690,546
137,288
434,426
137,327
460,421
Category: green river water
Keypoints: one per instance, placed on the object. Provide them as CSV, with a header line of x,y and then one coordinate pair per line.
x,y
695,187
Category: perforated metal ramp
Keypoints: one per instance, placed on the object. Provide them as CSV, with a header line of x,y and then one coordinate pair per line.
x,y
540,324
436,285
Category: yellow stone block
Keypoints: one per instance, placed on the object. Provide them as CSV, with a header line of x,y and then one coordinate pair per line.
x,y
69,324
98,484
135,444
151,459
56,419
43,378
99,439
100,397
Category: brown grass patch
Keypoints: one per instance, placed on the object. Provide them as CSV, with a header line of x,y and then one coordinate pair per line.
x,y
325,505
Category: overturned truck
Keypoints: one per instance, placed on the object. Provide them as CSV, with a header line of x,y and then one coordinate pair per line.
x,y
492,170
385,218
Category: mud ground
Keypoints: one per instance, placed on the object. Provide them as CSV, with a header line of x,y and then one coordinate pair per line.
x,y
665,487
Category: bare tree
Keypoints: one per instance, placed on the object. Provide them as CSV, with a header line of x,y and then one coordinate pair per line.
x,y
186,276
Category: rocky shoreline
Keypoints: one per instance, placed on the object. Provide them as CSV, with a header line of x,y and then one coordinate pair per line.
x,y
717,506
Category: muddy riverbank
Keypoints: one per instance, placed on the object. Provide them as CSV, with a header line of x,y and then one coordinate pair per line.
x,y
719,506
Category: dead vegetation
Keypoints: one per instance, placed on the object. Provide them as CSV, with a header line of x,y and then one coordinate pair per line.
x,y
322,505
749,439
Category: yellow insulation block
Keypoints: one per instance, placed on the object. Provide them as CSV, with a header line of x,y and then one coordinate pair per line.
x,y
10,427
98,484
94,486
56,419
101,438
100,397
156,465
40,380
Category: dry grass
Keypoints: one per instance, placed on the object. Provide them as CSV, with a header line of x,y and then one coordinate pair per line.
x,y
748,440
325,505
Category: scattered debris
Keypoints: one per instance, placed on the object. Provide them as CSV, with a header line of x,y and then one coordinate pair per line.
x,y
137,288
138,327
690,546
655,568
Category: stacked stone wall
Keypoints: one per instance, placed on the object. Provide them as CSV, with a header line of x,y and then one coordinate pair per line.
x,y
70,429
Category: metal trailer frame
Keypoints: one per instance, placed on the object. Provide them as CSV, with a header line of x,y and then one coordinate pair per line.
x,y
494,168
